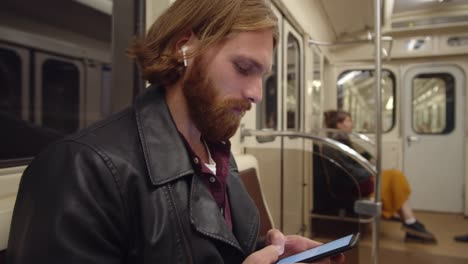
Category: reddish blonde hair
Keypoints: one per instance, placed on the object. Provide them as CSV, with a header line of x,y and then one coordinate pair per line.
x,y
210,20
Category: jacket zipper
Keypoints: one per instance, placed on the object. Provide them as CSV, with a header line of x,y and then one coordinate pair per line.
x,y
179,221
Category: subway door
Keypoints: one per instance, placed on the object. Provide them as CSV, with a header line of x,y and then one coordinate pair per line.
x,y
293,195
267,115
433,136
59,95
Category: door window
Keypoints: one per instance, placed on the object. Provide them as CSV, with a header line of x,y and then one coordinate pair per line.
x,y
293,77
316,91
433,103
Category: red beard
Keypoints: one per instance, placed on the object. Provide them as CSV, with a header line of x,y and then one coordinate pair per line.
x,y
216,119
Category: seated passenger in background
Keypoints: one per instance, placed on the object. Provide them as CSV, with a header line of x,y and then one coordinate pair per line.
x,y
395,188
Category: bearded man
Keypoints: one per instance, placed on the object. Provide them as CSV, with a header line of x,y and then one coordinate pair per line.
x,y
157,183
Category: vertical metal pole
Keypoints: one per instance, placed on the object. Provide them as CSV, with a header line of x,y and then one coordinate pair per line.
x,y
140,31
378,136
122,65
282,187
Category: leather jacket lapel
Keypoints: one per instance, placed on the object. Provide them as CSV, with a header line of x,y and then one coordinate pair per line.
x,y
244,213
206,216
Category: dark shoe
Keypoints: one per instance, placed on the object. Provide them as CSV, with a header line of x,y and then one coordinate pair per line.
x,y
417,229
412,238
462,238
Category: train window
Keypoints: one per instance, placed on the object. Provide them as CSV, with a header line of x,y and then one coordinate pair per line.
x,y
106,90
60,96
293,77
433,103
457,41
268,115
315,88
356,95
416,44
10,83
51,82
19,139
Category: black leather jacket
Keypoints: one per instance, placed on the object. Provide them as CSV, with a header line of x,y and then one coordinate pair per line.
x,y
125,191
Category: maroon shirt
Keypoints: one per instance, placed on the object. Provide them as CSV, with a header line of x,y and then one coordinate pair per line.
x,y
220,153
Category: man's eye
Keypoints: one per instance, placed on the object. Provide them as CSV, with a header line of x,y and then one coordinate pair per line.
x,y
242,69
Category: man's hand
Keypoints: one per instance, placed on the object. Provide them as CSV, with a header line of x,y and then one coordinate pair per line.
x,y
281,246
267,255
295,244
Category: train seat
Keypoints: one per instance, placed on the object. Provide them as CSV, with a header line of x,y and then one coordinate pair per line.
x,y
9,182
334,194
248,172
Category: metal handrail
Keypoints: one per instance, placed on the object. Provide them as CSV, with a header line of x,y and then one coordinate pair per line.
x,y
368,39
244,132
353,134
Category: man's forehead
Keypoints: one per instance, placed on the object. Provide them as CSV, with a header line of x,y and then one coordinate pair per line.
x,y
256,45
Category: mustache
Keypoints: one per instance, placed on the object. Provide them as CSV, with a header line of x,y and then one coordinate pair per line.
x,y
242,105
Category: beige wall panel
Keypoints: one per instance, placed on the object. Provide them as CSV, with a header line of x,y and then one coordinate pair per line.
x,y
154,8
296,193
9,182
308,190
293,191
311,17
269,165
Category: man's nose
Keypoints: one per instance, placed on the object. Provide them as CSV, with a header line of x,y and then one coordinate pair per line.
x,y
254,90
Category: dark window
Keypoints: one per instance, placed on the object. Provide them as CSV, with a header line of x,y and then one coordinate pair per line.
x,y
60,96
10,83
268,107
19,138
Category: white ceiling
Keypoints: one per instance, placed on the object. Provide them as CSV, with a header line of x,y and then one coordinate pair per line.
x,y
348,17
413,5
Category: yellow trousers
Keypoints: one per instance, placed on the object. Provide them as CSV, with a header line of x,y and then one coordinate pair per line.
x,y
395,191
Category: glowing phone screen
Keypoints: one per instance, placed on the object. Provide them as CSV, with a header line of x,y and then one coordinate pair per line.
x,y
339,243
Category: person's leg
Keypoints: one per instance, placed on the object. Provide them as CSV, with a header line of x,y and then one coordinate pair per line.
x,y
415,230
399,200
406,213
395,192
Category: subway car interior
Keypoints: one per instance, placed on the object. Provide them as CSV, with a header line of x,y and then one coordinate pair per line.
x,y
398,67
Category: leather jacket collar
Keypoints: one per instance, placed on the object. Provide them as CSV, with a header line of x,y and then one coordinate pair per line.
x,y
160,138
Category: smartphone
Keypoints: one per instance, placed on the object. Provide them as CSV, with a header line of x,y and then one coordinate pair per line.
x,y
326,250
